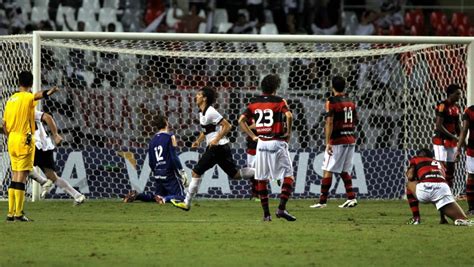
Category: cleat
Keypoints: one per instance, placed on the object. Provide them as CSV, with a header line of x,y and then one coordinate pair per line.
x,y
130,197
350,203
78,201
414,221
180,205
318,206
10,219
463,222
285,215
22,218
267,218
159,199
46,188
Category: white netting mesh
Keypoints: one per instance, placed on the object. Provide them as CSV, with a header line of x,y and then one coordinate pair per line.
x,y
110,89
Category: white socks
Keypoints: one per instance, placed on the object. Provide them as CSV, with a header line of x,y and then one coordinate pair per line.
x,y
67,187
35,175
192,190
247,173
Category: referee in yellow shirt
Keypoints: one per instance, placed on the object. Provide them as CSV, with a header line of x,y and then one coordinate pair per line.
x,y
19,127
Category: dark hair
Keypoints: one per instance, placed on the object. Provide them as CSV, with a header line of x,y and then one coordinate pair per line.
x,y
452,88
270,83
25,79
161,121
338,83
425,152
209,93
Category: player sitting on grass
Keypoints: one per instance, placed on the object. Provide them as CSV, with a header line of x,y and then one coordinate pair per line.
x,y
170,178
427,184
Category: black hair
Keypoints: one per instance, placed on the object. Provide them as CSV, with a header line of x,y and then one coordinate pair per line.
x,y
338,83
452,88
425,152
270,83
210,94
161,121
25,79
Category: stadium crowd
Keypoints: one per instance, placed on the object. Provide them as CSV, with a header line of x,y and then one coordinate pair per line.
x,y
354,17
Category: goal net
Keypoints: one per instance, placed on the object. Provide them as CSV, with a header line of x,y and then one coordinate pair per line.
x,y
112,85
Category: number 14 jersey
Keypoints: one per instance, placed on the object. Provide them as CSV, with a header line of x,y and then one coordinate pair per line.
x,y
268,112
344,114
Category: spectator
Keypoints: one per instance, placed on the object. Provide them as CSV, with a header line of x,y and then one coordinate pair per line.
x,y
291,9
190,22
17,21
326,17
242,25
366,26
255,8
391,15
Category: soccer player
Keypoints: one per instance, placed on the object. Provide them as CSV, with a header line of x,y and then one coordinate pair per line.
x,y
44,157
19,126
447,130
170,177
215,128
427,182
341,119
273,122
468,125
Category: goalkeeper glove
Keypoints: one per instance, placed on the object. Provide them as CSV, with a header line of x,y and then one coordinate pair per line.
x,y
184,178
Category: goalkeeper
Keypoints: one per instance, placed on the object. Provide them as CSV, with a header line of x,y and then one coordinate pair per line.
x,y
170,178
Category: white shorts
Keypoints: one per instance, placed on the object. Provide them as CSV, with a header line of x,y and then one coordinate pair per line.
x,y
437,193
251,161
273,160
341,159
445,154
470,164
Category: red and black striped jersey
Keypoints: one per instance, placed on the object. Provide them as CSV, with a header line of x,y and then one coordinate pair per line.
x,y
344,114
268,112
450,113
427,169
469,116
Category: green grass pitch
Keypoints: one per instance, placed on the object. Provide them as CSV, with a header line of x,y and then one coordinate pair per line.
x,y
231,233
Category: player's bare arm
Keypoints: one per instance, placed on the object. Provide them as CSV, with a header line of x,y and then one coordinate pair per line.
x,y
440,127
198,140
48,119
225,129
462,138
328,131
410,174
246,128
46,93
173,141
289,124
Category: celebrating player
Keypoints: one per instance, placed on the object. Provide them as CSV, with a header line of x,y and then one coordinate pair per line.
x,y
341,119
427,182
44,157
19,126
273,122
170,177
215,129
468,125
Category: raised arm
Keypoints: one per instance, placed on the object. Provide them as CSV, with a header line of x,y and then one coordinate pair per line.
x,y
46,93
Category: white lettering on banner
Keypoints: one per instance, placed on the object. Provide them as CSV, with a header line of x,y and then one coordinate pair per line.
x,y
221,181
75,161
358,181
138,182
4,169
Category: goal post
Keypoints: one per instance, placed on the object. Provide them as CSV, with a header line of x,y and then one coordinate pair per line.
x,y
112,83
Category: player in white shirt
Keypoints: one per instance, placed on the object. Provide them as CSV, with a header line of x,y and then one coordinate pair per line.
x,y
44,158
214,131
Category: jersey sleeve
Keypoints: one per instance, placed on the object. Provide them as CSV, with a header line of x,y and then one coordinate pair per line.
x,y
284,106
38,115
215,117
412,162
248,113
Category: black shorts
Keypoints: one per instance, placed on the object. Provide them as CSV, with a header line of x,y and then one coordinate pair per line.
x,y
44,159
219,155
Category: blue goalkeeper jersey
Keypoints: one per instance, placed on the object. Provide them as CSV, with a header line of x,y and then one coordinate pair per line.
x,y
163,160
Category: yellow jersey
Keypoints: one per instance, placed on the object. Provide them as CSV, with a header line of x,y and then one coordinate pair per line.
x,y
19,115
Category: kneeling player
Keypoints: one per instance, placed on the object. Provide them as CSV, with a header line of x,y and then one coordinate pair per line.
x,y
170,178
427,183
